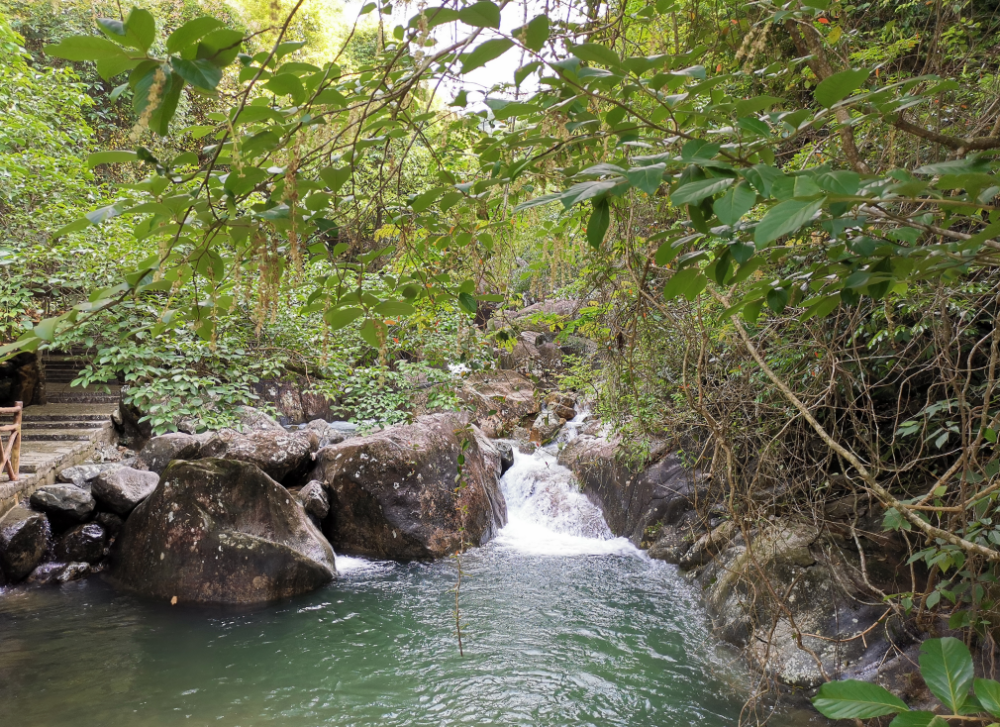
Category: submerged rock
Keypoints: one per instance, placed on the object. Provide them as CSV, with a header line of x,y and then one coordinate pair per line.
x,y
85,543
393,494
122,489
64,504
220,531
23,539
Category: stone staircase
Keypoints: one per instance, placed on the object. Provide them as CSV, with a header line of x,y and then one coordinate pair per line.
x,y
64,432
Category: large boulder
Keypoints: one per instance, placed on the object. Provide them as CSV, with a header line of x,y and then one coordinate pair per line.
x,y
282,455
64,504
24,538
161,451
501,400
632,497
220,531
393,494
83,475
120,490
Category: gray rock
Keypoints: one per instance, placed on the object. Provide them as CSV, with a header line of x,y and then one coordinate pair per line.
x,y
314,499
551,356
83,474
280,454
23,539
161,451
506,450
64,504
547,425
84,543
327,434
122,489
347,428
219,531
252,420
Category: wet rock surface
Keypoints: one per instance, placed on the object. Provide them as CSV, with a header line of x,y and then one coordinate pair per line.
x,y
24,538
220,531
120,490
278,453
84,543
83,475
502,400
51,574
64,504
393,493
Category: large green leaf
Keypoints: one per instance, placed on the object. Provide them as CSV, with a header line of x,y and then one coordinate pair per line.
x,y
988,692
141,26
484,53
200,73
337,318
535,33
597,226
110,157
695,192
483,14
84,48
596,53
918,719
735,203
839,86
687,282
852,699
285,84
946,666
647,179
785,218
191,32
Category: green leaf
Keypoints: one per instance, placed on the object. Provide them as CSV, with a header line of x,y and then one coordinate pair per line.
x,y
647,179
596,53
191,32
535,33
46,329
785,218
946,666
754,105
695,192
110,157
373,332
335,177
918,719
988,692
483,14
839,86
200,73
337,318
285,84
683,282
777,299
424,200
394,308
597,225
76,226
84,48
467,302
852,699
735,203
840,182
484,53
141,25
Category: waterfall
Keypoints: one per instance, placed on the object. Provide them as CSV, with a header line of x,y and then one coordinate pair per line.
x,y
548,515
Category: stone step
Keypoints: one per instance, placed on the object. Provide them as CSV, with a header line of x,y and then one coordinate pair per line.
x,y
83,399
40,418
58,435
63,423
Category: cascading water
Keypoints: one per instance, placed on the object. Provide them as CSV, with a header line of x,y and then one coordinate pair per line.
x,y
564,624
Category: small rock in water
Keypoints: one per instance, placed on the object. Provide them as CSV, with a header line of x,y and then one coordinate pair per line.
x,y
506,450
64,504
122,489
547,425
56,573
87,543
23,539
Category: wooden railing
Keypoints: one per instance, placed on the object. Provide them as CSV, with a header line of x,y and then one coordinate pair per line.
x,y
10,453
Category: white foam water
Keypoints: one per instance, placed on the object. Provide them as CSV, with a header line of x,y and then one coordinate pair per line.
x,y
548,515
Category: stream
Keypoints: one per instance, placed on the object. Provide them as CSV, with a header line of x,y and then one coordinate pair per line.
x,y
563,624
